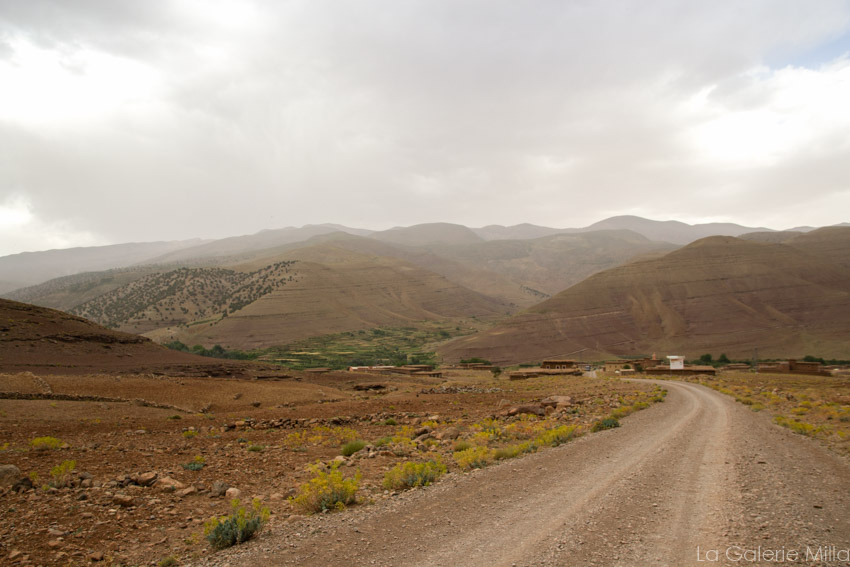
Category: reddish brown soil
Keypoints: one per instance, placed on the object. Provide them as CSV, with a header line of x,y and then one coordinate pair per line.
x,y
116,440
47,341
121,406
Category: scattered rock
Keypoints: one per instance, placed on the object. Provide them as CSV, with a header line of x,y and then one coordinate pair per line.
x,y
168,484
146,479
187,491
232,493
531,409
23,484
96,556
219,488
9,475
557,401
124,500
448,433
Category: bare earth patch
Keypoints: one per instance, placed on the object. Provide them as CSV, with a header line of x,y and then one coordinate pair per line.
x,y
130,435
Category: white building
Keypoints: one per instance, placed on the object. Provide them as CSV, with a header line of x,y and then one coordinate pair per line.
x,y
677,362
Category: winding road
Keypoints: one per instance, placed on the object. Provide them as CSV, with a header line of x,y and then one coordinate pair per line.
x,y
697,480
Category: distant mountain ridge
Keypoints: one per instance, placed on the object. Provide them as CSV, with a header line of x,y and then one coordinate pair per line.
x,y
719,295
31,268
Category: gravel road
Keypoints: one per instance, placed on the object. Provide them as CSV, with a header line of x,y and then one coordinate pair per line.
x,y
696,480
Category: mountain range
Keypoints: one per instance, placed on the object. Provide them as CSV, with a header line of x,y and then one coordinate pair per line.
x,y
624,285
31,268
717,295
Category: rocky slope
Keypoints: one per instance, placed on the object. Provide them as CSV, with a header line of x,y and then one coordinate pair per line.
x,y
36,339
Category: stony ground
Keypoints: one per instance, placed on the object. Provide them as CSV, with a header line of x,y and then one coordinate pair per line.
x,y
697,480
130,500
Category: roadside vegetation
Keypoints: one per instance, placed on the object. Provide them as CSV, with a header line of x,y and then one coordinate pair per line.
x,y
815,406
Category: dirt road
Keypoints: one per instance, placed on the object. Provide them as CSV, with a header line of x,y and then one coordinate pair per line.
x,y
697,480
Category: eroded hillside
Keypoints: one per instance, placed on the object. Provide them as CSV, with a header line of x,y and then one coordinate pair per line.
x,y
719,294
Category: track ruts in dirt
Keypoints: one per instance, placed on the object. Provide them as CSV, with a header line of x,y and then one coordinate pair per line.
x,y
697,480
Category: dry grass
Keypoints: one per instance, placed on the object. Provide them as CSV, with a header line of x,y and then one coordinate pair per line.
x,y
816,406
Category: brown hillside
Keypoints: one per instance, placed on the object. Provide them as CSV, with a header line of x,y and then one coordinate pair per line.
x,y
337,290
44,340
719,294
830,243
428,233
545,266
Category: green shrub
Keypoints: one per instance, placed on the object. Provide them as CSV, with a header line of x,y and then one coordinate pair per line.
x,y
461,445
238,527
189,433
45,443
556,436
607,423
196,464
383,441
796,426
390,421
256,448
473,458
352,447
60,475
409,474
514,451
169,561
327,490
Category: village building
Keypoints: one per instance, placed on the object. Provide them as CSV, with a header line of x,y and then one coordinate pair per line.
x,y
558,364
794,367
618,365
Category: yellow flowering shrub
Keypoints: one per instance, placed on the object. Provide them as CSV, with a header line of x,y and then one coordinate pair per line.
x,y
410,474
327,490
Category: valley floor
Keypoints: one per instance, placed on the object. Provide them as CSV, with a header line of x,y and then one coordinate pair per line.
x,y
696,480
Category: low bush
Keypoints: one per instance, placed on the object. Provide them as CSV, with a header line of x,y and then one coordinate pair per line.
x,y
195,464
45,443
513,451
473,458
607,423
238,527
60,475
557,436
796,426
256,448
409,474
327,490
352,447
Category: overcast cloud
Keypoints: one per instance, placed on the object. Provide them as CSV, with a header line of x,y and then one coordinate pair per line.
x,y
159,120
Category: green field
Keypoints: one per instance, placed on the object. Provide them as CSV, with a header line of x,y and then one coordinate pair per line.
x,y
380,346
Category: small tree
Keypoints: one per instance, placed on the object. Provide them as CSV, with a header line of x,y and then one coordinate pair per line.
x,y
497,371
724,359
705,359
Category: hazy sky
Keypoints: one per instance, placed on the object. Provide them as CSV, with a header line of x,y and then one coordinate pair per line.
x,y
128,120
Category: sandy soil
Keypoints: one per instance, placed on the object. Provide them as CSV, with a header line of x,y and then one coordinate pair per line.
x,y
697,480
